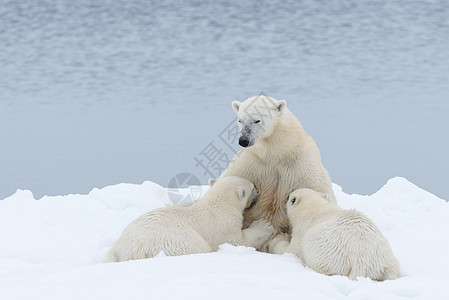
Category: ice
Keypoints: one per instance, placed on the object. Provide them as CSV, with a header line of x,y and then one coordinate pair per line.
x,y
55,247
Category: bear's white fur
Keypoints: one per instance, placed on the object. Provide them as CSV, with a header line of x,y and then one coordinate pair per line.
x,y
213,220
334,241
278,157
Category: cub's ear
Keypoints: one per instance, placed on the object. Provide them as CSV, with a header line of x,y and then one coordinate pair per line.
x,y
241,192
325,196
212,181
281,105
236,105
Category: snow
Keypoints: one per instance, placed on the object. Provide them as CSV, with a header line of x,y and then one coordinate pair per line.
x,y
55,248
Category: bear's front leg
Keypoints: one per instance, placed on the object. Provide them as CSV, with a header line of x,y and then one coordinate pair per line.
x,y
257,233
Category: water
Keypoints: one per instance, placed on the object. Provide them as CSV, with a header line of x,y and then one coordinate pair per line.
x,y
97,93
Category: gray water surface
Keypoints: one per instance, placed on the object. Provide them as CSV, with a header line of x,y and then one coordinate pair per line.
x,y
94,93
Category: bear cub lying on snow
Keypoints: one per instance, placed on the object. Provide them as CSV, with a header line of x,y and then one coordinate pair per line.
x,y
334,241
213,220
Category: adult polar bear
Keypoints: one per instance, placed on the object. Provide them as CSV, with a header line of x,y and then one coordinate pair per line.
x,y
278,157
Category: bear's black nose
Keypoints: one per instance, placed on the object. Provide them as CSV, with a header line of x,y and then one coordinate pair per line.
x,y
243,142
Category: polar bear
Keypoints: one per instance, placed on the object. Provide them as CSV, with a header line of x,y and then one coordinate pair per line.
x,y
278,157
214,219
334,241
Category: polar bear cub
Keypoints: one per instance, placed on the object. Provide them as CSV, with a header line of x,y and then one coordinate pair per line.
x,y
214,219
334,241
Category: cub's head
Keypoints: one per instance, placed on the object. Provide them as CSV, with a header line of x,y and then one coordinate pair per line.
x,y
237,190
301,199
257,117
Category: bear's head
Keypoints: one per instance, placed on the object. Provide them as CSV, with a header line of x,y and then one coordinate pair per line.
x,y
302,199
244,194
257,118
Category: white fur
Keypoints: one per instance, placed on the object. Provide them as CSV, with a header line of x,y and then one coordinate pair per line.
x,y
280,158
214,219
334,241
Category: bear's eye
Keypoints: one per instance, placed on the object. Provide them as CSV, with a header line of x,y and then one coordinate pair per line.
x,y
240,121
294,200
257,121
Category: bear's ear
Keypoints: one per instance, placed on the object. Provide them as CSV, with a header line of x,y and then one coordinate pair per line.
x,y
281,105
236,105
212,181
241,192
325,196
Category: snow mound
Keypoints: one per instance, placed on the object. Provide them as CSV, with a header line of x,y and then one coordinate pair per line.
x,y
55,248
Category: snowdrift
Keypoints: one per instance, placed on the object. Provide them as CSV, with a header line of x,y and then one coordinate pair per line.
x,y
55,248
